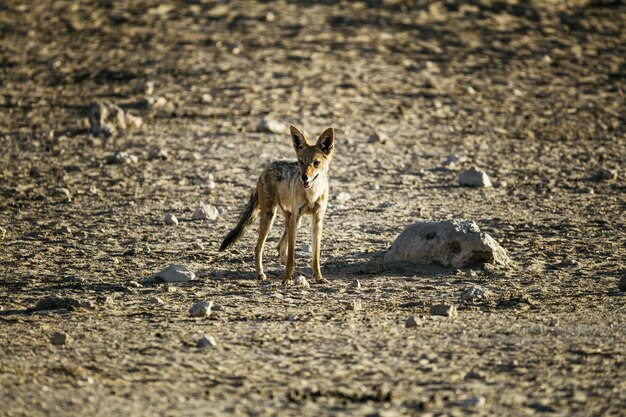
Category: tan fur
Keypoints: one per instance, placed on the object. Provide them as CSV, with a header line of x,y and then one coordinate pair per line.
x,y
281,186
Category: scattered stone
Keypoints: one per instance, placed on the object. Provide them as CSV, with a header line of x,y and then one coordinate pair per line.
x,y
170,219
198,245
205,212
211,184
106,118
272,126
412,322
173,273
451,243
53,302
474,293
158,154
475,401
605,174
132,284
105,300
451,161
3,233
356,284
218,307
64,230
201,309
144,87
156,300
447,310
59,338
154,102
133,122
121,157
342,197
377,137
621,284
300,281
206,98
206,341
474,177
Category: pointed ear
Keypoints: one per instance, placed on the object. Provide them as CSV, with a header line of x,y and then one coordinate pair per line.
x,y
326,141
299,141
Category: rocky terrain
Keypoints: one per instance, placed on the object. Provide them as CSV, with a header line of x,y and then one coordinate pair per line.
x,y
119,119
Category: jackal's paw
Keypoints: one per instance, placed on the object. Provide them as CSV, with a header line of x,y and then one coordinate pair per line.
x,y
322,280
287,281
262,277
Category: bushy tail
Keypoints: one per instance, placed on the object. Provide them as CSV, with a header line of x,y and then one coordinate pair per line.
x,y
246,219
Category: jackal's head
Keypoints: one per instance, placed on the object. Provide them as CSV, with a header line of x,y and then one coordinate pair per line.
x,y
314,160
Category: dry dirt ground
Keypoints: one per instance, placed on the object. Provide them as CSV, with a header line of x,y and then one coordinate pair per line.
x,y
532,92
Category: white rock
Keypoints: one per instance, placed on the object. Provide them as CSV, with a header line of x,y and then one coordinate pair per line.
x,y
59,338
173,273
133,122
206,341
3,233
342,197
474,177
155,102
156,300
412,322
121,157
474,293
206,98
211,184
272,126
475,401
300,281
447,310
205,212
451,243
170,219
201,309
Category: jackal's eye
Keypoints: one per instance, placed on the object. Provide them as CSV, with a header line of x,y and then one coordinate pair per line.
x,y
316,163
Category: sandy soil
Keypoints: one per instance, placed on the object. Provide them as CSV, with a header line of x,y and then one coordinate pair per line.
x,y
532,92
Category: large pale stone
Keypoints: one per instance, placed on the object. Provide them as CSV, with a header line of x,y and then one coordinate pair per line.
x,y
451,243
173,273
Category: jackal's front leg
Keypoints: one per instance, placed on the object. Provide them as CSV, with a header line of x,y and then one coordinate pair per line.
x,y
292,229
318,225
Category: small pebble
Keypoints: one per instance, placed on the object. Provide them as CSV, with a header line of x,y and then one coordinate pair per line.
x,y
447,310
158,154
156,300
412,322
476,401
64,230
300,281
121,157
377,137
356,284
342,197
201,309
474,293
621,284
59,338
605,174
474,177
306,248
170,219
205,211
206,341
207,98
272,126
